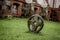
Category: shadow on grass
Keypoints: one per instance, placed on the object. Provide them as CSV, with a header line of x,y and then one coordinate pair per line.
x,y
40,33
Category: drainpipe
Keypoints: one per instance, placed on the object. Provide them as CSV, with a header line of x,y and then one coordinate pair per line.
x,y
53,3
32,7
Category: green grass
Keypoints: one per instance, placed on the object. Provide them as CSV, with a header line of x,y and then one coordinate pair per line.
x,y
16,29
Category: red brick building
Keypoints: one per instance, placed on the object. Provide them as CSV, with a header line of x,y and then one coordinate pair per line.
x,y
16,7
22,5
1,4
54,13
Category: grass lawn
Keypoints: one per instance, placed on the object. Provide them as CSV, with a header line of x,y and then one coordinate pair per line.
x,y
16,29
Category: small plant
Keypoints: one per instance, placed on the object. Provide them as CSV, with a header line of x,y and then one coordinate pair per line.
x,y
9,16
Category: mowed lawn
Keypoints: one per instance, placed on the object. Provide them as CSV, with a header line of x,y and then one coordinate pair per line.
x,y
16,29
